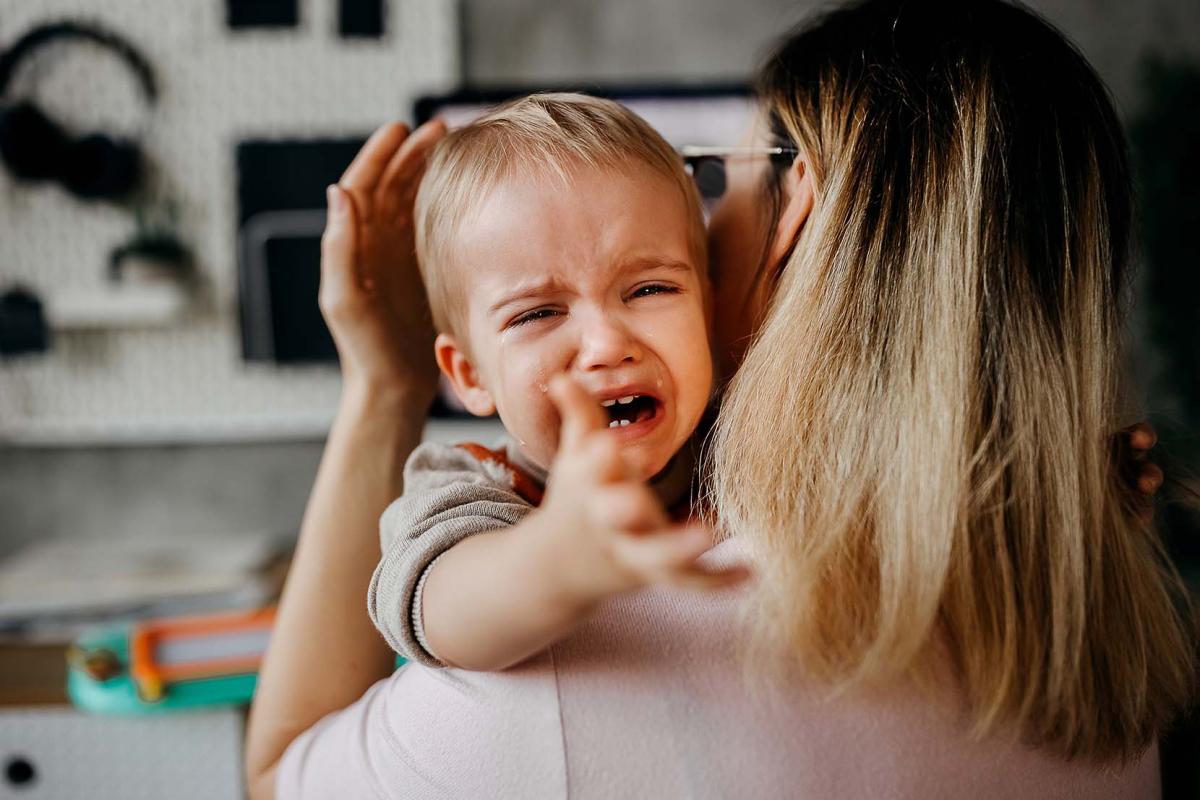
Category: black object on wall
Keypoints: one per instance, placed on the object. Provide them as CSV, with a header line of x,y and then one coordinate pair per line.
x,y
361,18
22,323
261,13
281,214
35,147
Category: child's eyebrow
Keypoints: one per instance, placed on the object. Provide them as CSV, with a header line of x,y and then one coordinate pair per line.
x,y
650,262
545,287
524,292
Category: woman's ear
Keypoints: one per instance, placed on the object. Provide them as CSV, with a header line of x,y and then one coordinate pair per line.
x,y
463,377
797,204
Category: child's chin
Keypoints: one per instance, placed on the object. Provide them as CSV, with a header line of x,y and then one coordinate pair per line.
x,y
648,465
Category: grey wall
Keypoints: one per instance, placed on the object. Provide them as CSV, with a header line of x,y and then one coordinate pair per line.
x,y
190,490
153,491
527,41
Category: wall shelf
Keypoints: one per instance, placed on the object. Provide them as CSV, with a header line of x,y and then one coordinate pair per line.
x,y
118,306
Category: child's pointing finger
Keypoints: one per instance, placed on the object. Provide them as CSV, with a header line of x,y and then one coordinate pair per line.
x,y
580,414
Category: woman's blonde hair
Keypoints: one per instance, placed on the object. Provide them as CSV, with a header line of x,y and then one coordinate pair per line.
x,y
917,446
552,134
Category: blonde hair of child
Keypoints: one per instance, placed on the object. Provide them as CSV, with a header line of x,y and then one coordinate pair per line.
x,y
550,134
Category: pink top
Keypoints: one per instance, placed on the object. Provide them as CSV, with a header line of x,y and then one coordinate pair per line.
x,y
649,699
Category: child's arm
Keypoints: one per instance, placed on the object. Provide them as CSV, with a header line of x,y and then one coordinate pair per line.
x,y
497,598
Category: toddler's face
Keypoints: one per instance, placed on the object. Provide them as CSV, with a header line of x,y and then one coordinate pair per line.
x,y
597,280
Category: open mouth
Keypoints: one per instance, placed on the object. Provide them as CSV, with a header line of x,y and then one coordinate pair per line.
x,y
625,411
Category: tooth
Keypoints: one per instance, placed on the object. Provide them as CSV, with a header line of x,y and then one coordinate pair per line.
x,y
616,423
625,400
607,403
624,422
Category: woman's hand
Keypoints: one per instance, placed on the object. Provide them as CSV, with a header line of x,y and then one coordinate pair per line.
x,y
1133,446
324,651
616,535
371,293
1146,474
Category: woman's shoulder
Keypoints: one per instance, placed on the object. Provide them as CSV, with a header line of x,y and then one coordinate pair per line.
x,y
657,698
653,697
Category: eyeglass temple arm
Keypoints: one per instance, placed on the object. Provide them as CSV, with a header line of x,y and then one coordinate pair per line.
x,y
695,151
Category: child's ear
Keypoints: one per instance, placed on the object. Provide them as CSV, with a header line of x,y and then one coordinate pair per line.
x,y
461,373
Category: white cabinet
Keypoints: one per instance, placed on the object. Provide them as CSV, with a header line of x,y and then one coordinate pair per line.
x,y
58,753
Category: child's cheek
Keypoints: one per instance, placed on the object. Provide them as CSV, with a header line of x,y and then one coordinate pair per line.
x,y
691,360
531,417
684,335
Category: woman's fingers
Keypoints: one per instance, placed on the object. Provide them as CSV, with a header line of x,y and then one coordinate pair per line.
x,y
1142,438
397,188
364,172
339,279
1150,478
1145,474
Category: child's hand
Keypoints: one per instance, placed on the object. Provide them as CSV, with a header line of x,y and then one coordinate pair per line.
x,y
615,535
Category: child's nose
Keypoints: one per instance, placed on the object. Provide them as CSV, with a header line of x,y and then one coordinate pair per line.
x,y
605,343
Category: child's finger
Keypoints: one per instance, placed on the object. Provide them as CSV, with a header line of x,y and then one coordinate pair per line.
x,y
629,507
600,458
698,578
670,558
579,413
655,555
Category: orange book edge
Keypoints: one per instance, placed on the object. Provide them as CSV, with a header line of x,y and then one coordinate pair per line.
x,y
151,678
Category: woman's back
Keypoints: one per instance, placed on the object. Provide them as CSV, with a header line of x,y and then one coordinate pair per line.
x,y
649,700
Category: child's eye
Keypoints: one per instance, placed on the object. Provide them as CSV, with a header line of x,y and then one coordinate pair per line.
x,y
654,288
533,316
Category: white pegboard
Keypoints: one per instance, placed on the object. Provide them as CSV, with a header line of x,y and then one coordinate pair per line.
x,y
187,381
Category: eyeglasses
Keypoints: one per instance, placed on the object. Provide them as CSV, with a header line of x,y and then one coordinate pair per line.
x,y
707,165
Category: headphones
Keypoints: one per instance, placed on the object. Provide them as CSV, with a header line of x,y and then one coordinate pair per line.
x,y
92,166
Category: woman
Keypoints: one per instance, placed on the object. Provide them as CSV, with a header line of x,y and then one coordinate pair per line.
x,y
912,453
